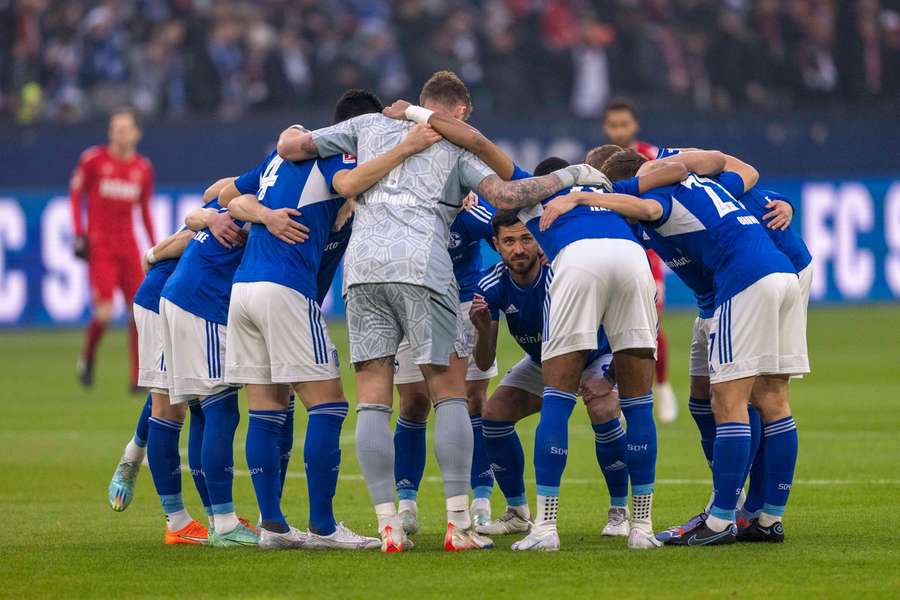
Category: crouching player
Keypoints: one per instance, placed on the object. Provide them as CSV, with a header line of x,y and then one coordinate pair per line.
x,y
517,287
276,330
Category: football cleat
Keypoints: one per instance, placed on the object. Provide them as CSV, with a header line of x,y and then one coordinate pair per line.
x,y
239,536
393,538
85,370
616,522
677,530
342,539
640,536
754,532
543,537
192,533
457,539
510,522
743,518
409,519
702,535
246,523
272,540
121,488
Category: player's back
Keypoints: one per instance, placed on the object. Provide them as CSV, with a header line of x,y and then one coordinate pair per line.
x,y
305,186
580,223
788,241
151,288
403,222
702,218
201,282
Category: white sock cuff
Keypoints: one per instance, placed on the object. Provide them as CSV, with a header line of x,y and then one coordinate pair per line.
x,y
457,503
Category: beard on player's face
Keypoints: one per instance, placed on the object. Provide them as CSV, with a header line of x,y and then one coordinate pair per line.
x,y
521,263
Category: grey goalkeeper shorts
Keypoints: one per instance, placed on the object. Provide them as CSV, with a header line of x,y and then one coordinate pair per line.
x,y
380,315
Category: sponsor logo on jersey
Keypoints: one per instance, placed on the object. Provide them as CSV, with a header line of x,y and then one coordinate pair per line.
x,y
119,189
528,339
511,309
674,263
349,159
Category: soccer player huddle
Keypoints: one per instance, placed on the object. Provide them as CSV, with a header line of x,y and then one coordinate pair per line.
x,y
406,194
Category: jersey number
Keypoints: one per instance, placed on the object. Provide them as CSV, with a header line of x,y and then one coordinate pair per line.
x,y
269,177
723,207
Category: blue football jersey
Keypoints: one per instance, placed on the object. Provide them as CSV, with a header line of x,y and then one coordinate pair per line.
x,y
580,223
692,273
754,200
307,187
703,220
151,288
331,259
201,283
466,232
524,309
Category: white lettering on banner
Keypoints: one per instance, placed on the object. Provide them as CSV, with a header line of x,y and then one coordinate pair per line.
x,y
65,286
13,284
818,202
854,267
892,238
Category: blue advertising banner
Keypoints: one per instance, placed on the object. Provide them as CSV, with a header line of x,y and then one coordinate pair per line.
x,y
852,228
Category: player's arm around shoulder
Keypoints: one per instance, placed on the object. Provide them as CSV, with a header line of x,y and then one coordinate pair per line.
x,y
171,247
296,143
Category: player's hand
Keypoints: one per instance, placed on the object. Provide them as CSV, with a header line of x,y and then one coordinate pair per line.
x,y
397,110
80,247
224,229
543,258
780,214
419,138
588,175
281,225
470,201
479,314
344,214
557,208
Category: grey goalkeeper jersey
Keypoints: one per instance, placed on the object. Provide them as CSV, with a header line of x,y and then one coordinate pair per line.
x,y
402,223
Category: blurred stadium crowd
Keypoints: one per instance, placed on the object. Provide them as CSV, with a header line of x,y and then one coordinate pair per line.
x,y
71,60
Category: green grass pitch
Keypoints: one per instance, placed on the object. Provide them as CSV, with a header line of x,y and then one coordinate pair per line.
x,y
59,444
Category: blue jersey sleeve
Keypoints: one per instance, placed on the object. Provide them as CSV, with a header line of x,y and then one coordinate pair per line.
x,y
519,173
489,289
664,152
732,183
665,200
333,164
248,183
627,186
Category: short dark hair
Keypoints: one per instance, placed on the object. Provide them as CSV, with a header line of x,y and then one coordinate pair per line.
x,y
127,110
353,103
445,87
505,217
550,164
599,155
623,165
619,104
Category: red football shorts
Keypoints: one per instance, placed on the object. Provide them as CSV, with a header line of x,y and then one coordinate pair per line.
x,y
115,267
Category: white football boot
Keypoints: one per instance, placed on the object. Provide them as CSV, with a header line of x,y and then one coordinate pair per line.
x,y
543,537
409,519
481,512
641,536
512,521
393,538
616,522
292,539
342,539
457,539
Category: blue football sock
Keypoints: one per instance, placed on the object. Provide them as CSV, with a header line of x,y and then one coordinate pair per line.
x,y
640,443
165,461
263,433
609,443
756,493
730,455
755,436
409,457
701,411
780,460
507,458
551,440
286,443
143,424
322,455
482,479
195,450
217,457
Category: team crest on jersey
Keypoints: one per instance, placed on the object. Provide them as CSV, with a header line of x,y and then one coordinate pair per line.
x,y
349,159
455,240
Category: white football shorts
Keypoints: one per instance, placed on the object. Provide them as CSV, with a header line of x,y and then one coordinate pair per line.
x,y
151,360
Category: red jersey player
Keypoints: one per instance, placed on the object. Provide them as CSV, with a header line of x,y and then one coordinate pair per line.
x,y
620,124
114,178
